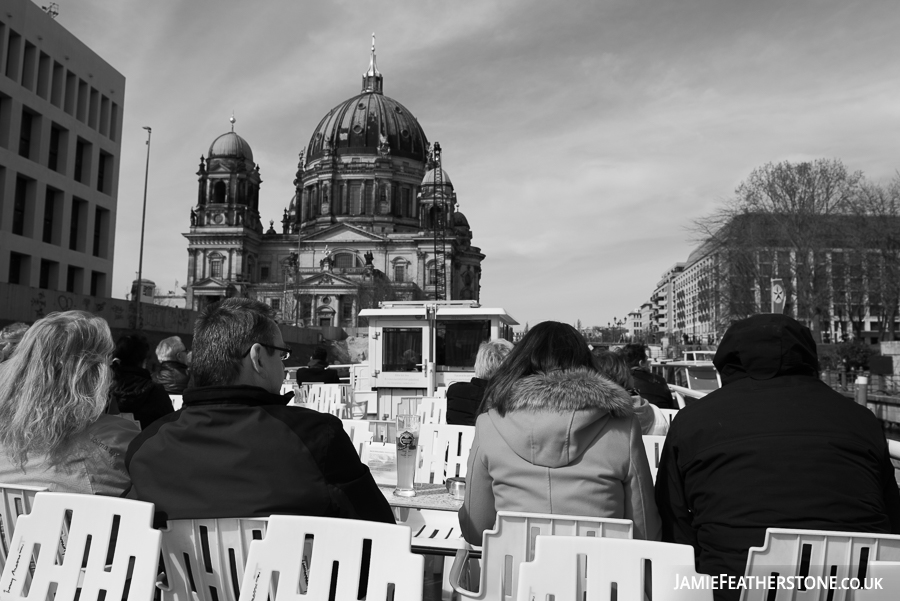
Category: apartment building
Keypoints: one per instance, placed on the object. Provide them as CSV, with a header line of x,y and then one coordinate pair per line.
x,y
61,108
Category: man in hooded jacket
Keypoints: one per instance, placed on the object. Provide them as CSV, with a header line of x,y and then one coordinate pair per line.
x,y
774,447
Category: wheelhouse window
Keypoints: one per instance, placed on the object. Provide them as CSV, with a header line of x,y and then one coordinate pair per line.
x,y
457,343
401,349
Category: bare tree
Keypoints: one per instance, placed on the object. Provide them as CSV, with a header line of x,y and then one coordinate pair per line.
x,y
780,223
875,238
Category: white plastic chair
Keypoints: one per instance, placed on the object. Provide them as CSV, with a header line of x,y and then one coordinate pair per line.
x,y
326,398
605,569
111,537
889,573
820,554
320,558
204,559
359,402
443,452
406,405
360,435
669,413
653,445
433,410
512,541
15,500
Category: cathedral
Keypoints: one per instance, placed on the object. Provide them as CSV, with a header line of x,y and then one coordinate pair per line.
x,y
374,218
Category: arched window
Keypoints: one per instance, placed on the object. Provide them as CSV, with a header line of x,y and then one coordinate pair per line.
x,y
345,261
219,192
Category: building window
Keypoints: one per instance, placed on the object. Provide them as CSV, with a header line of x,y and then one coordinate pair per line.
x,y
74,279
101,231
344,261
53,160
219,193
82,161
347,309
215,268
276,304
49,274
399,273
18,269
25,134
50,217
98,283
264,273
20,206
77,224
104,169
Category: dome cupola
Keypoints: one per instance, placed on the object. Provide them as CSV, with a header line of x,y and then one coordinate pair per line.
x,y
369,123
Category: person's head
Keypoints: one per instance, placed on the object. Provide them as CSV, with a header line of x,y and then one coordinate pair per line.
x,y
490,355
171,349
635,355
236,341
766,346
548,346
320,353
131,351
55,384
614,368
10,337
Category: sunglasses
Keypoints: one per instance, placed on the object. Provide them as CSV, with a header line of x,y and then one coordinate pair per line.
x,y
285,352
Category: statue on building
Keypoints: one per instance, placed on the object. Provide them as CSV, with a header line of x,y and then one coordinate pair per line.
x,y
369,257
193,218
384,149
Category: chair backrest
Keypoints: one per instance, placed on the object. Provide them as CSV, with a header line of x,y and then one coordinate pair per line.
x,y
888,575
360,435
330,558
653,445
606,569
79,544
670,414
817,554
204,559
433,410
15,500
443,452
326,398
384,431
405,405
362,403
512,542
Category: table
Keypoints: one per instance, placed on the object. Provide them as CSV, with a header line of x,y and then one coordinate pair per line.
x,y
430,515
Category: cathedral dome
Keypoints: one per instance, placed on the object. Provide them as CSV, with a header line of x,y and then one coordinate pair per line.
x,y
362,125
428,180
230,146
357,126
459,220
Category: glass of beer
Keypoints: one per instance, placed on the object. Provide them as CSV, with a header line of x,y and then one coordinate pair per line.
x,y
407,449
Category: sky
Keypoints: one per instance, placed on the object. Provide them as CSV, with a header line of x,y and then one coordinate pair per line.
x,y
583,138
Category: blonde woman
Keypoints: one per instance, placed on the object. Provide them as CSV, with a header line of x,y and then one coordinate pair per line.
x,y
53,392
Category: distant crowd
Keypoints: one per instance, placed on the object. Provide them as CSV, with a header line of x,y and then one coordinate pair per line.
x,y
558,429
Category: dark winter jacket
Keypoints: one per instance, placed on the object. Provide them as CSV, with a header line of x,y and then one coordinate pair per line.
x,y
173,376
134,392
317,371
463,400
653,388
568,444
239,451
774,447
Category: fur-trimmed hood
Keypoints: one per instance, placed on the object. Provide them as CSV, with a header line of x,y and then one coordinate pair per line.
x,y
554,417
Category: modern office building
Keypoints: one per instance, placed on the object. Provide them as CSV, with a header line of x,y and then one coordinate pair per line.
x,y
60,138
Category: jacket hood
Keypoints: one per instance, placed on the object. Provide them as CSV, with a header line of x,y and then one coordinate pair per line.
x,y
554,417
765,346
130,384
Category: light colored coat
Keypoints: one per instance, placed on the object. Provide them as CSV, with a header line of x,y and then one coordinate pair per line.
x,y
569,444
93,461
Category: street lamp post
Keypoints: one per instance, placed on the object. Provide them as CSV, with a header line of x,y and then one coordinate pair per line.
x,y
140,286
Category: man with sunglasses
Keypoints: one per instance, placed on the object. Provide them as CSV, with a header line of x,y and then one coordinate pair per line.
x,y
236,449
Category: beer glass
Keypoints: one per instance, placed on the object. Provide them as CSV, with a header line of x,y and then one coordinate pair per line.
x,y
407,449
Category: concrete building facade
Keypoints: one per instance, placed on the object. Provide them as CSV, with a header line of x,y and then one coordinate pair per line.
x,y
61,108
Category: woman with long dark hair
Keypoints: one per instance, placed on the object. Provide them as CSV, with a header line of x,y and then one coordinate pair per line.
x,y
555,436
